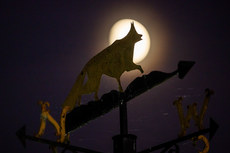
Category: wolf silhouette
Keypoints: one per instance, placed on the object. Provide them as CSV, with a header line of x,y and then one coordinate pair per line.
x,y
112,61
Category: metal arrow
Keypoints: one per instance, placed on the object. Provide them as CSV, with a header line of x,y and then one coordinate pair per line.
x,y
211,130
85,113
21,133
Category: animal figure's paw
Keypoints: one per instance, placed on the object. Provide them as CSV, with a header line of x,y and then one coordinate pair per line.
x,y
120,89
96,96
140,68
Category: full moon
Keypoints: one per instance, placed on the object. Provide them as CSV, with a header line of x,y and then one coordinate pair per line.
x,y
121,28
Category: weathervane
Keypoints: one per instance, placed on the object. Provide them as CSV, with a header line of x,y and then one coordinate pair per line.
x,y
114,61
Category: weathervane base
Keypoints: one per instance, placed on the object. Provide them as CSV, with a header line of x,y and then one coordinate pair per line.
x,y
124,143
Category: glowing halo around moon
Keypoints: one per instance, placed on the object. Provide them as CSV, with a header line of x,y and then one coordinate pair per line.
x,y
122,27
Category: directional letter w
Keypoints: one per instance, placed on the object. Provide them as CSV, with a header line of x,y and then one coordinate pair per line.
x,y
192,112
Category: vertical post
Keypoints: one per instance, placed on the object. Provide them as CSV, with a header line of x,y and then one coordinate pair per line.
x,y
123,119
124,142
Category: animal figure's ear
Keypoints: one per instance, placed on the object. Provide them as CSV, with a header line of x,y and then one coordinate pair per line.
x,y
132,25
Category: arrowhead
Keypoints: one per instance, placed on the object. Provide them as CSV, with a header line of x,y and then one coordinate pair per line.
x,y
213,126
21,134
184,67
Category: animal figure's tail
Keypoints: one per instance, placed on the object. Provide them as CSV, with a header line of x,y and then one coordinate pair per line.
x,y
184,67
74,95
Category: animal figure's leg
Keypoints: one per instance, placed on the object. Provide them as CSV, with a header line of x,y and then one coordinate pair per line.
x,y
132,66
140,69
97,87
96,95
79,100
119,83
92,85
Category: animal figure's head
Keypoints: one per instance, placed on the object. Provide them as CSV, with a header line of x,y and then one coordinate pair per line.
x,y
133,36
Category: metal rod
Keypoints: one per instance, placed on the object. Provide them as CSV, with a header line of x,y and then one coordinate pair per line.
x,y
123,119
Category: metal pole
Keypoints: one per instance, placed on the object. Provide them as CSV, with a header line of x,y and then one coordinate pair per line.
x,y
123,119
124,142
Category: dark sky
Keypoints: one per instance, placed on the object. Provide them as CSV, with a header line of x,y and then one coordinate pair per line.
x,y
44,46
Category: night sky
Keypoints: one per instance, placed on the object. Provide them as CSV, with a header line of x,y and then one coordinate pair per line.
x,y
45,44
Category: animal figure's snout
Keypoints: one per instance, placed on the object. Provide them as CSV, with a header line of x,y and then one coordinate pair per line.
x,y
140,36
